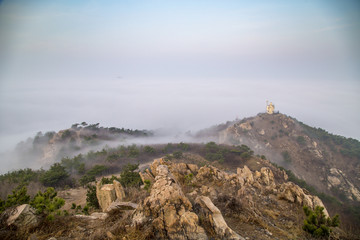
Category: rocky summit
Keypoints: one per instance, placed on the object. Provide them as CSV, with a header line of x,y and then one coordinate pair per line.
x,y
187,201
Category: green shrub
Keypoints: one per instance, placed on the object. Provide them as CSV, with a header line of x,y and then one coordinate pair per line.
x,y
112,158
178,154
55,176
129,178
218,156
147,185
286,156
301,140
74,164
47,203
66,134
86,179
149,150
133,151
244,151
105,180
91,199
96,170
168,148
317,224
18,197
22,176
86,210
188,178
73,206
91,174
184,146
81,168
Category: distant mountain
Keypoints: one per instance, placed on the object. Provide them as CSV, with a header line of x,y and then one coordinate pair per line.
x,y
45,149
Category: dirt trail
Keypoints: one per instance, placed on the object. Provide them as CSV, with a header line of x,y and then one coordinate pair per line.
x,y
73,195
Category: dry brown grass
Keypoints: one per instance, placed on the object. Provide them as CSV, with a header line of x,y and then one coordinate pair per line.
x,y
272,213
135,195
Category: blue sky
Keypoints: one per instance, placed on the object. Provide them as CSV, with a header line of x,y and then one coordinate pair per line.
x,y
176,64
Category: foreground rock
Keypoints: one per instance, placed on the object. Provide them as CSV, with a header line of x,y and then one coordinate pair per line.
x,y
213,215
293,193
169,211
117,205
22,217
108,193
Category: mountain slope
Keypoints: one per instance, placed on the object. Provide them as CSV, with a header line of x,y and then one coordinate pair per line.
x,y
326,164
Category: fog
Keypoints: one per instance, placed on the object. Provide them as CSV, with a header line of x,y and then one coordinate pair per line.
x,y
179,66
178,106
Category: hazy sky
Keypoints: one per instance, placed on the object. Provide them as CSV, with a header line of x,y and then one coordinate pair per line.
x,y
176,64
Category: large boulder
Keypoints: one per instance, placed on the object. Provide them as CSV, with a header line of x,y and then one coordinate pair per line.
x,y
246,174
105,194
108,193
118,205
22,217
267,176
168,210
213,216
147,176
119,190
210,173
293,193
193,168
157,162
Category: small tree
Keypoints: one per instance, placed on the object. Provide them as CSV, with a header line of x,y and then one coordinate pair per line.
x,y
91,199
55,176
91,174
86,210
86,179
47,203
18,197
317,224
147,185
129,178
149,150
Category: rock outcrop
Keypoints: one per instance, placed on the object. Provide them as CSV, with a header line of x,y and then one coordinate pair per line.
x,y
22,217
121,206
214,217
293,193
267,176
108,193
169,211
119,190
246,174
147,176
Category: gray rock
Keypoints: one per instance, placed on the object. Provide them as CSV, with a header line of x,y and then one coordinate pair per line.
x,y
23,216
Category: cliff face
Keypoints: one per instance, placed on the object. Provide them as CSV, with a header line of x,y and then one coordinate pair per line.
x,y
319,158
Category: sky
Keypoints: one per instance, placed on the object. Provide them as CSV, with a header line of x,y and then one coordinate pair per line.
x,y
177,65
